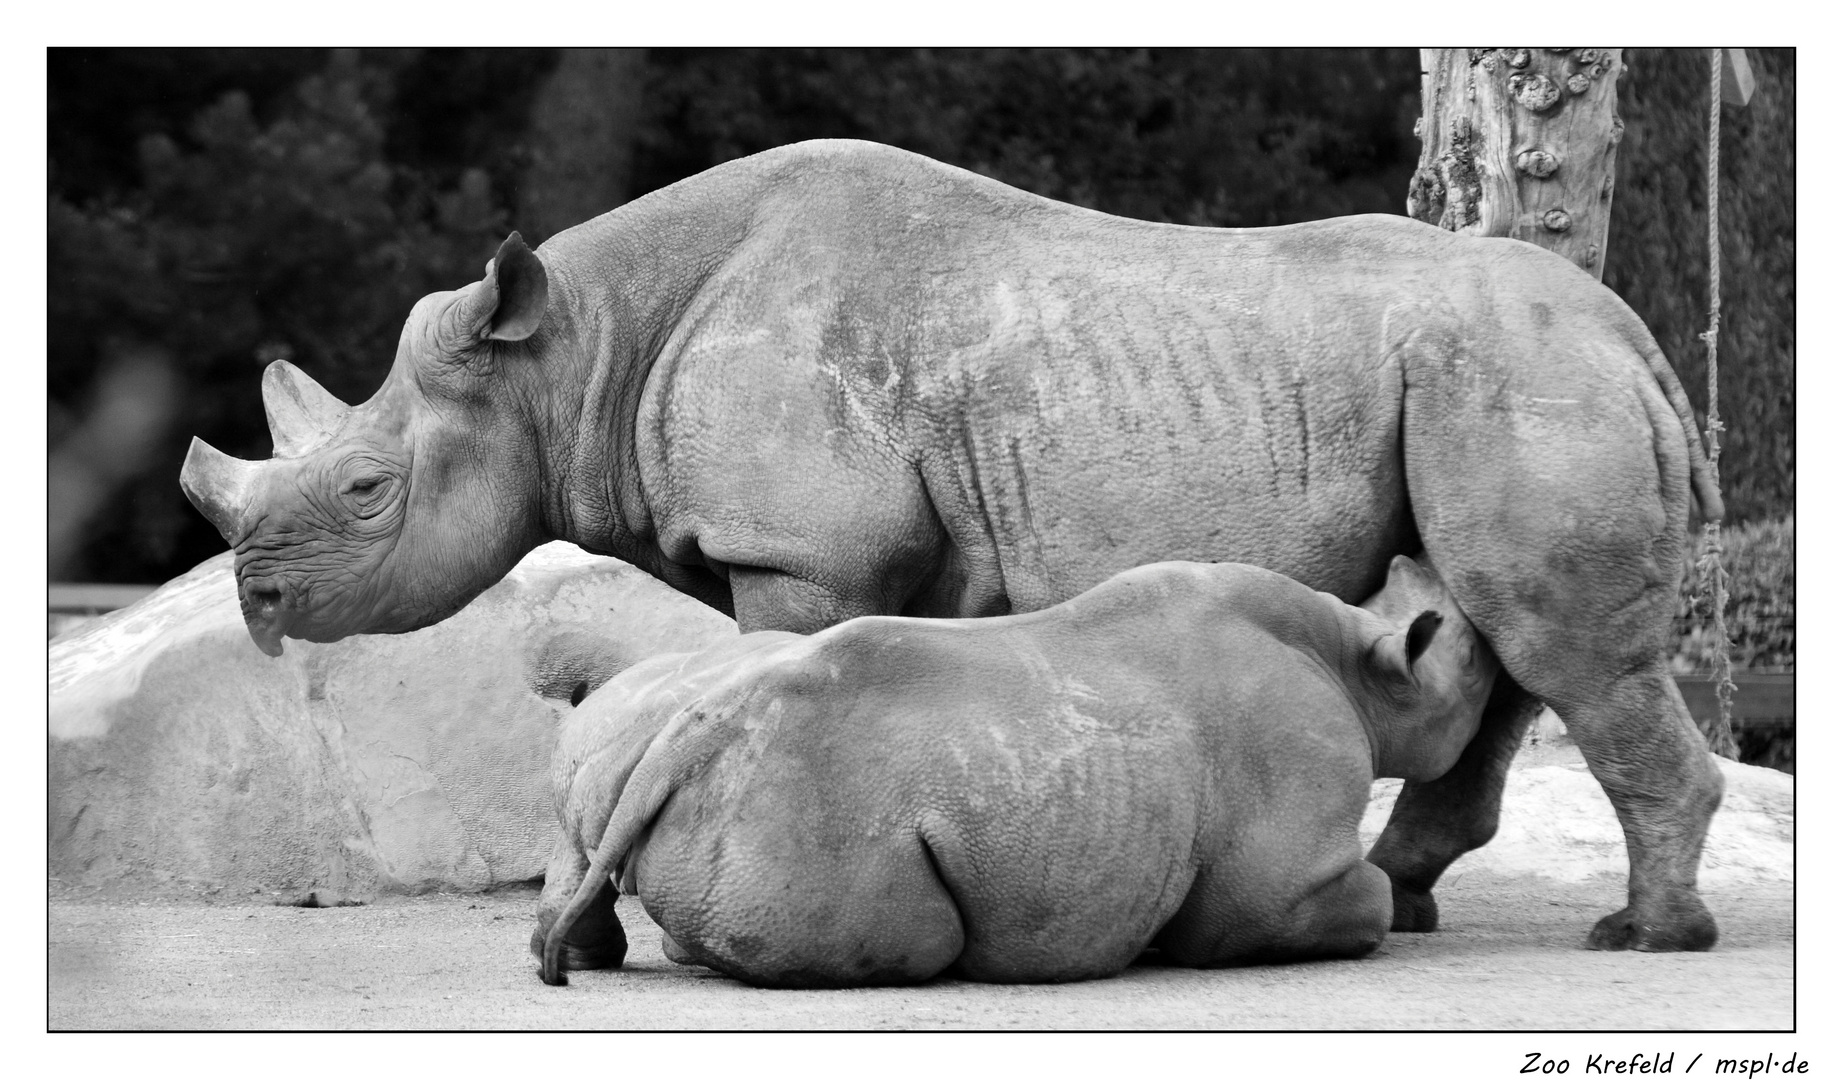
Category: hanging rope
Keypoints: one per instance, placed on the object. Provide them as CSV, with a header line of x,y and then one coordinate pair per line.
x,y
1709,569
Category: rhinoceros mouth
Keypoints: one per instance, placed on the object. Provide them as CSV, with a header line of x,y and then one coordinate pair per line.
x,y
267,638
265,617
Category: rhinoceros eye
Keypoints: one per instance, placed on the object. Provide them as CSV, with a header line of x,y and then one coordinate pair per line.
x,y
365,494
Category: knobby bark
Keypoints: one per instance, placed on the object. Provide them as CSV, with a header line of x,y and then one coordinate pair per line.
x,y
1520,143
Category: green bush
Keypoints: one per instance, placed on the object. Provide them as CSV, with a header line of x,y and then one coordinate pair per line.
x,y
1758,559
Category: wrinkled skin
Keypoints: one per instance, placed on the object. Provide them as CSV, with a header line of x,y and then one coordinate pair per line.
x,y
1178,757
836,379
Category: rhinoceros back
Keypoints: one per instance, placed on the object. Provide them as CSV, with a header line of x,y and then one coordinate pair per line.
x,y
876,345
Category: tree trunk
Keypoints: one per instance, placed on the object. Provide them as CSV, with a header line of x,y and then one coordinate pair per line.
x,y
583,124
1520,143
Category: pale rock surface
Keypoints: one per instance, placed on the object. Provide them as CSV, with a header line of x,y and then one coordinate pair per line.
x,y
1558,823
183,761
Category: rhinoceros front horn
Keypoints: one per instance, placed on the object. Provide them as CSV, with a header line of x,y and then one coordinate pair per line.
x,y
220,486
302,415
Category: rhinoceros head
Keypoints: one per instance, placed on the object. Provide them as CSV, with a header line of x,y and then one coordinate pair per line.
x,y
390,515
1442,670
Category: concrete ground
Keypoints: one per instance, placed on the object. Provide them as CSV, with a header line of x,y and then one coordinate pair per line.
x,y
1509,957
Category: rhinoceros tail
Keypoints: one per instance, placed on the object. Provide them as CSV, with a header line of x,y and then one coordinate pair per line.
x,y
675,755
1702,485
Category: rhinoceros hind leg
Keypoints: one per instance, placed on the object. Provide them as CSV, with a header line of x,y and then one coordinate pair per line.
x,y
1665,814
875,915
676,952
596,941
1346,918
1550,482
1688,927
1435,822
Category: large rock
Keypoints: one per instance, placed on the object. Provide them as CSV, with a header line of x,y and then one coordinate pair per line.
x,y
183,761
1558,823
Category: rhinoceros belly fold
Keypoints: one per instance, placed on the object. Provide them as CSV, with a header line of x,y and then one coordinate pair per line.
x,y
1172,428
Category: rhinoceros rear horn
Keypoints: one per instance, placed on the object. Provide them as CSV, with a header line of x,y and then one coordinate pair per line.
x,y
302,415
509,304
220,486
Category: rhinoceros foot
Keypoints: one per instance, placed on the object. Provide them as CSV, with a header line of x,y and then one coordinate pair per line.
x,y
1415,912
1681,925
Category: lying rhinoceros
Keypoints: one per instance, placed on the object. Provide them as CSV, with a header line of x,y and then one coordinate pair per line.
x,y
1178,757
838,379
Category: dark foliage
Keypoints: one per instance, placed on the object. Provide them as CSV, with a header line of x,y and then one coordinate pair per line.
x,y
1761,622
1658,259
1196,136
102,101
220,208
1762,589
253,228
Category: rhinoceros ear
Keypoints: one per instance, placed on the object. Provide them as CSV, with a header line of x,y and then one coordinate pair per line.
x,y
1402,569
523,286
302,415
1421,632
1395,654
508,303
220,486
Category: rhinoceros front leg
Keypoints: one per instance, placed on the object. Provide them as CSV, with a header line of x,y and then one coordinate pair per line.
x,y
1435,822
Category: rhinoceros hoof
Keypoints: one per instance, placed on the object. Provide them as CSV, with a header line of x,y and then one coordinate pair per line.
x,y
1415,912
1687,927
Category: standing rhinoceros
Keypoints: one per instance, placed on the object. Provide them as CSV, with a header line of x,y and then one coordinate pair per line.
x,y
838,379
1177,757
